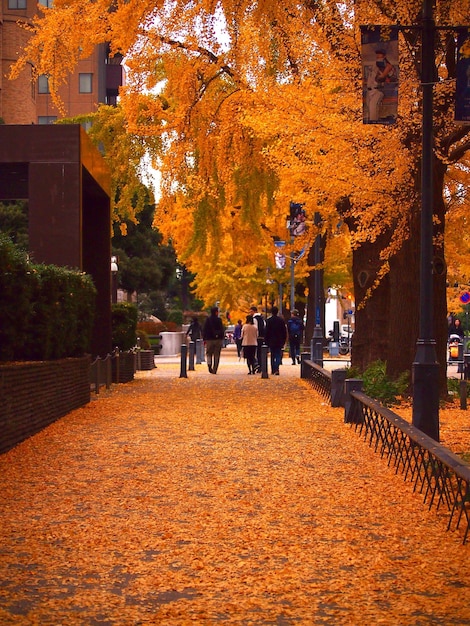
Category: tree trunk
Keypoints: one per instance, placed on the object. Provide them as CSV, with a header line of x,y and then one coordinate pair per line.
x,y
370,340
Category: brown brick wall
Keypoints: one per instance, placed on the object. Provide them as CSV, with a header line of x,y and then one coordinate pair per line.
x,y
18,104
35,394
19,101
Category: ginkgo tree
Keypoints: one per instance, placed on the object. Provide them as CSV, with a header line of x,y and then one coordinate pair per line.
x,y
246,106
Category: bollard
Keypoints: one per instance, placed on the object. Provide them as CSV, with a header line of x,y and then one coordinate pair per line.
x,y
264,361
338,378
304,356
351,384
118,368
199,350
466,366
192,347
460,366
463,394
184,354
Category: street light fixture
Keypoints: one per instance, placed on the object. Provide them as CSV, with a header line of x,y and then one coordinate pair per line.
x,y
114,271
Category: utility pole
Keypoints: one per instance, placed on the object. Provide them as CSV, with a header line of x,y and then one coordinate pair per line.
x,y
425,366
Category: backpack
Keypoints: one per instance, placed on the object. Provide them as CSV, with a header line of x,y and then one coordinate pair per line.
x,y
295,328
261,324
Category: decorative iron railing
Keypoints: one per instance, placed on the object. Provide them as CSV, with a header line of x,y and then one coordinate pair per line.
x,y
440,476
319,378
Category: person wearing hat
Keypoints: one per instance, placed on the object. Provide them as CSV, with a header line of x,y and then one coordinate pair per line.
x,y
375,82
295,329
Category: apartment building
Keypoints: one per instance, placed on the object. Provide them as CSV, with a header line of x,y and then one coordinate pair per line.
x,y
28,101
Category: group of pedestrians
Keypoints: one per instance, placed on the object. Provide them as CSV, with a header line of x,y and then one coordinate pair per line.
x,y
273,332
250,337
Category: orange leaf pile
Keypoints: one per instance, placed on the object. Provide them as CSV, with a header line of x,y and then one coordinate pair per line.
x,y
218,499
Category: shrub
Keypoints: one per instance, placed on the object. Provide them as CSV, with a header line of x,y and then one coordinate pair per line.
x,y
144,339
46,312
62,314
155,328
379,386
124,325
176,317
17,284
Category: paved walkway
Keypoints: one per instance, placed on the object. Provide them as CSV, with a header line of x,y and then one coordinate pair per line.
x,y
218,499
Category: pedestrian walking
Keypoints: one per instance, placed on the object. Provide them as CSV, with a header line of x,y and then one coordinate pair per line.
x,y
250,343
237,337
275,338
295,328
213,335
194,331
258,320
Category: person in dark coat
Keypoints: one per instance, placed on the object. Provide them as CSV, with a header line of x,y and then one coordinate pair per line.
x,y
295,329
213,334
275,338
194,331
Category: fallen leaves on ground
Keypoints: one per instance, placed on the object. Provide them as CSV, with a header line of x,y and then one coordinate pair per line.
x,y
218,499
454,426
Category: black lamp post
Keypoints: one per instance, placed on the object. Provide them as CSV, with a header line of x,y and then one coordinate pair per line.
x,y
317,339
425,366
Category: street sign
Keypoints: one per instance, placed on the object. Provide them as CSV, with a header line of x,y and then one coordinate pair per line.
x,y
465,297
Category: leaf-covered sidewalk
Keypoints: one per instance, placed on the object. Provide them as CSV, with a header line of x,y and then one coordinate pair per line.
x,y
218,499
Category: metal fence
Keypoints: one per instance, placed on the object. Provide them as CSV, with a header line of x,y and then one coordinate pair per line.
x,y
440,476
118,367
101,373
319,378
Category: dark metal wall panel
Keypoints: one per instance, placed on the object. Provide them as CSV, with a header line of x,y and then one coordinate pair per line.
x,y
13,181
96,248
55,214
68,186
48,143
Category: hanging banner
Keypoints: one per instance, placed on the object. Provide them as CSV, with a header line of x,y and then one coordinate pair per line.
x,y
379,51
462,86
279,256
297,224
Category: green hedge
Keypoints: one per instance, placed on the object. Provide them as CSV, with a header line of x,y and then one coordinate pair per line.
x,y
46,312
124,325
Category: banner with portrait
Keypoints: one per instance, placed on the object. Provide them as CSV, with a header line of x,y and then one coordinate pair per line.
x,y
380,74
297,223
462,85
279,255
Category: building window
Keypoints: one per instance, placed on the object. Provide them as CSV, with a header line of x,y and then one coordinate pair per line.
x,y
17,4
43,84
47,119
85,83
46,3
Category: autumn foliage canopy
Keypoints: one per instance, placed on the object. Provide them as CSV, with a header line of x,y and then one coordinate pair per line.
x,y
244,106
